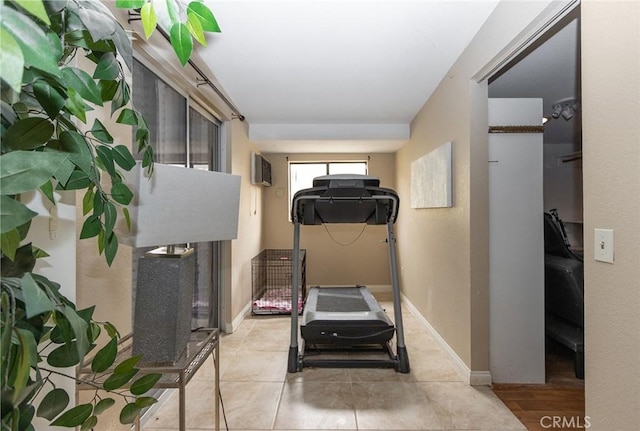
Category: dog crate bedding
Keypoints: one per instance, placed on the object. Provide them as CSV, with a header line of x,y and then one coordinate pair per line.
x,y
271,274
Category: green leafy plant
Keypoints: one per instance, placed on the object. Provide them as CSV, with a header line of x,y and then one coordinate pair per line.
x,y
46,146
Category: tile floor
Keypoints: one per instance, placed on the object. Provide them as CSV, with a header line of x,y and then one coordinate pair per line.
x,y
259,394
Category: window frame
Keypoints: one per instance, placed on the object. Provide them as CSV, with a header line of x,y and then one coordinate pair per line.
x,y
327,164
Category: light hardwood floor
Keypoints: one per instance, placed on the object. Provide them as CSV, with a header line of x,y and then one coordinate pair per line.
x,y
561,399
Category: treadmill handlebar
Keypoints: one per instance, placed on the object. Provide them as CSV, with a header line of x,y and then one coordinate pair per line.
x,y
371,205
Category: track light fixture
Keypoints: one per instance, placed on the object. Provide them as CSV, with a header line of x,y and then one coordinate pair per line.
x,y
565,108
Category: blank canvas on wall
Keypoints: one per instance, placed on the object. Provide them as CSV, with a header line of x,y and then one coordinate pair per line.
x,y
431,179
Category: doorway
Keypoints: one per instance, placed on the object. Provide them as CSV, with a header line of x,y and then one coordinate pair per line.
x,y
549,69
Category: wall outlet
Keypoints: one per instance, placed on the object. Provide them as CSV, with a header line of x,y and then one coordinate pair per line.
x,y
603,245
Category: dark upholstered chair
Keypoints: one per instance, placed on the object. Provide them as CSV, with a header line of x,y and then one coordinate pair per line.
x,y
564,291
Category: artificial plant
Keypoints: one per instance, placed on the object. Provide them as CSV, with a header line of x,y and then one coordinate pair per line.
x,y
46,147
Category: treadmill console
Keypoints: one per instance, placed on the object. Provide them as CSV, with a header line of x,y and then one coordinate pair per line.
x,y
352,181
345,198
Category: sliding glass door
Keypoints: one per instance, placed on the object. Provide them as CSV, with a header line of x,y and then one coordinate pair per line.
x,y
188,136
204,143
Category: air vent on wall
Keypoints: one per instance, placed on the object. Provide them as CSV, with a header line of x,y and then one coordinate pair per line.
x,y
260,170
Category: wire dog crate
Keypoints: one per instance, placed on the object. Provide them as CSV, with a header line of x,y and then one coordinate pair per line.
x,y
271,279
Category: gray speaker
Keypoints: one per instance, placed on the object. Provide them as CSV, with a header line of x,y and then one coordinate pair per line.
x,y
164,295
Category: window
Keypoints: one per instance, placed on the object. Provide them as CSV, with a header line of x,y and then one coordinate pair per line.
x,y
204,135
301,174
165,111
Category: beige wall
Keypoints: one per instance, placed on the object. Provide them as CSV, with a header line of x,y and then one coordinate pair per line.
x,y
444,251
611,163
328,263
250,219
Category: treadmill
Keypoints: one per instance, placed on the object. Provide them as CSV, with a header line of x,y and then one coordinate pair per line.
x,y
345,318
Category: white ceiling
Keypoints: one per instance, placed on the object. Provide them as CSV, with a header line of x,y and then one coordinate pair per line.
x,y
336,76
350,75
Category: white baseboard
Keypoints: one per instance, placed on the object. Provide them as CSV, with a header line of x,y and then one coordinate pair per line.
x,y
229,327
474,378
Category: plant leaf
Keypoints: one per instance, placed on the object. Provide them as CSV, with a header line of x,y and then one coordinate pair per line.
x,y
99,25
47,190
5,336
65,355
144,383
77,181
181,42
74,417
11,61
53,404
79,153
129,4
123,157
35,8
76,106
167,13
36,300
83,83
49,97
23,171
87,313
127,218
205,16
80,327
121,96
9,243
100,132
126,365
13,214
128,413
103,405
121,193
118,380
105,356
107,89
28,348
98,204
128,116
89,424
195,28
64,172
123,45
34,43
111,330
91,227
111,248
28,133
110,218
149,19
143,402
104,155
24,261
108,67
87,201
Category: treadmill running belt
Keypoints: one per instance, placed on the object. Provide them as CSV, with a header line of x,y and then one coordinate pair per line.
x,y
339,299
344,316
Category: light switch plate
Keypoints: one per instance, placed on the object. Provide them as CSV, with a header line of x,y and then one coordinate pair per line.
x,y
603,245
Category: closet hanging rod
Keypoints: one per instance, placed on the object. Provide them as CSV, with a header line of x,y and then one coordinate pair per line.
x,y
135,16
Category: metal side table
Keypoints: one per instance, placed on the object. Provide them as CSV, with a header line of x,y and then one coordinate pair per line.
x,y
202,343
